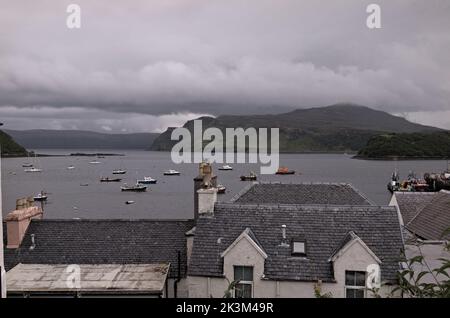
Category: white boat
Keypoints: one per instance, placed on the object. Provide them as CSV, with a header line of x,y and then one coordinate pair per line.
x,y
119,171
226,167
70,167
129,202
147,180
33,169
171,173
94,162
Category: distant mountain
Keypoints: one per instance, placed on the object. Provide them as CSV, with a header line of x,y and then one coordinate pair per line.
x,y
435,145
10,147
78,139
335,128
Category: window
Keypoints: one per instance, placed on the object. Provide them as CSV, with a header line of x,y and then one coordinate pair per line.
x,y
243,274
355,284
298,247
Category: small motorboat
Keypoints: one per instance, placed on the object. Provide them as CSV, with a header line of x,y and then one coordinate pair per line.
x,y
119,171
226,168
135,188
221,189
27,165
171,173
107,179
94,162
33,169
70,167
147,180
40,197
129,202
251,177
284,170
84,184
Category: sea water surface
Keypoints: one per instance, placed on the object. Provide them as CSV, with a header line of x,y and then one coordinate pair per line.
x,y
172,196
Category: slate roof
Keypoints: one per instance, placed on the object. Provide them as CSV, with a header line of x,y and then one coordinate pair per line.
x,y
411,203
301,193
324,227
103,242
434,219
427,215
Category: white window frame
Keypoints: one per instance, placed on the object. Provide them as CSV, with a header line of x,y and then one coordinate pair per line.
x,y
363,288
244,282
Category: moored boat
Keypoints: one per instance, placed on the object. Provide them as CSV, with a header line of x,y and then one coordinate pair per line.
x,y
171,172
119,171
135,188
27,165
33,169
251,177
94,162
226,168
40,196
147,180
70,167
284,170
107,179
221,189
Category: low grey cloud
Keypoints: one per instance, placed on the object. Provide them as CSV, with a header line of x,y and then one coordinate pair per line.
x,y
187,57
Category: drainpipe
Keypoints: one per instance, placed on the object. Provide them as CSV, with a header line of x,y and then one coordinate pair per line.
x,y
175,283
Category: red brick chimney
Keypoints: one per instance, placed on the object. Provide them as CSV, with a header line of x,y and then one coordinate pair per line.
x,y
18,220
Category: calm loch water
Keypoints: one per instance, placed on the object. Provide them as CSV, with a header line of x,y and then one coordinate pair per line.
x,y
172,196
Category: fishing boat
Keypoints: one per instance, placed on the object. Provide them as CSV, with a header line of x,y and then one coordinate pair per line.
x,y
411,184
284,170
221,189
226,168
33,169
119,171
135,188
147,180
171,173
40,196
107,179
251,177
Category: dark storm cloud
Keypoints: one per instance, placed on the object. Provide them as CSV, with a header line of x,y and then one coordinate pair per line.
x,y
213,57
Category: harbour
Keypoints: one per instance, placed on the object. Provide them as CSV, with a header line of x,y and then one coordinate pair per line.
x,y
78,192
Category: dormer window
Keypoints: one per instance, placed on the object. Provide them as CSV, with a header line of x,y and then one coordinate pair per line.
x,y
298,247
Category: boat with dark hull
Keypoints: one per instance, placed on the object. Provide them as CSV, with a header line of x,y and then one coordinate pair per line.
x,y
40,197
251,177
221,189
134,188
438,181
107,179
119,171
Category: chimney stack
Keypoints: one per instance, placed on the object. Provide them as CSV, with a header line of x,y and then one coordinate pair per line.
x,y
18,220
283,236
205,179
206,200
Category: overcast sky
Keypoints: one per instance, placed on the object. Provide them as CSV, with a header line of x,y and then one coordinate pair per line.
x,y
144,65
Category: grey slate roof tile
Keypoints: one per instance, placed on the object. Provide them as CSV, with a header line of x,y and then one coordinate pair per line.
x,y
324,228
103,242
301,193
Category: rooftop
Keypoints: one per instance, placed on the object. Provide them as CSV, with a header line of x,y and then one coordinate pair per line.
x,y
301,193
103,242
101,279
323,227
427,215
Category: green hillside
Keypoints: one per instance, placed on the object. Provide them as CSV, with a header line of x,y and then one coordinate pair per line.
x,y
10,147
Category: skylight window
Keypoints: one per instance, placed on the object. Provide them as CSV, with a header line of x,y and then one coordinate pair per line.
x,y
299,247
